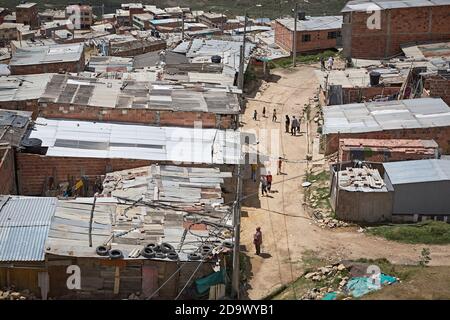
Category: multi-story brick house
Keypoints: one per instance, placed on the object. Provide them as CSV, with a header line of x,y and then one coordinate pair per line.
x,y
27,13
376,29
313,33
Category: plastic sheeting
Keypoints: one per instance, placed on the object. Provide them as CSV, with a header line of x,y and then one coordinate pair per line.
x,y
359,286
213,279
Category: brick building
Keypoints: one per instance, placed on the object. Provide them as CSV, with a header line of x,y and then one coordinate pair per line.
x,y
379,150
128,46
353,85
7,169
313,33
213,20
160,104
69,150
439,86
13,129
23,93
425,119
80,15
27,13
376,29
48,59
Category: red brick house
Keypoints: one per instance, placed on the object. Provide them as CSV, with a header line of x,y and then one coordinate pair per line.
x,y
376,29
313,33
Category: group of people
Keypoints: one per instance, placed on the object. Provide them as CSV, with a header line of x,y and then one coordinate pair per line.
x,y
294,125
330,63
266,184
274,115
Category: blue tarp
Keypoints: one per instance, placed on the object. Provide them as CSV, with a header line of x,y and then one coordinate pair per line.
x,y
330,296
359,286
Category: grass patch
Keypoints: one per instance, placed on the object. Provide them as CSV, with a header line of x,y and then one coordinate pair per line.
x,y
427,232
312,58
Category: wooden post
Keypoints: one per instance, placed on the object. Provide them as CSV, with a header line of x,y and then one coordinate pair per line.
x,y
294,38
338,168
117,280
91,220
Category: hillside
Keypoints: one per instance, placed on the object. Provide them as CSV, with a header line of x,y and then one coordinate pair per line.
x,y
269,8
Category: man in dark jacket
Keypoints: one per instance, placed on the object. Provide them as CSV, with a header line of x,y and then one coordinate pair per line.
x,y
257,240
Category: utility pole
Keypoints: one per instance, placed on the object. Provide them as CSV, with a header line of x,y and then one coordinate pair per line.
x,y
294,37
237,232
182,26
242,57
338,168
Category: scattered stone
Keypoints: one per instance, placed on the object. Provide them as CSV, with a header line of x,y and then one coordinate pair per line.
x,y
341,267
310,275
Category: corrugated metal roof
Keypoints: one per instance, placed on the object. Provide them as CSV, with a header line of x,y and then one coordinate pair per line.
x,y
370,5
24,226
66,138
418,171
47,54
386,115
313,23
25,87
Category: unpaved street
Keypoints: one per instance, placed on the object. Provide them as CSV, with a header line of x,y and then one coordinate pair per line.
x,y
287,229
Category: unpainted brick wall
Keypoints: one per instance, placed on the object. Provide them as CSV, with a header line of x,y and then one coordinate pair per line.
x,y
439,86
357,95
398,26
7,172
319,39
145,116
439,134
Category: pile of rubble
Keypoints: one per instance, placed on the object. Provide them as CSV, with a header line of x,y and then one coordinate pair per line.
x,y
324,220
11,294
332,278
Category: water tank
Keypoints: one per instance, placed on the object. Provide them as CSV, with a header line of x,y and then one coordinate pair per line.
x,y
374,78
157,34
152,32
216,59
32,145
301,15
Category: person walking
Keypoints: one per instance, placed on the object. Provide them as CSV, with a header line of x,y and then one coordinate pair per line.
x,y
287,122
322,64
280,162
264,112
257,240
274,117
330,63
269,182
263,186
298,124
254,167
293,126
255,115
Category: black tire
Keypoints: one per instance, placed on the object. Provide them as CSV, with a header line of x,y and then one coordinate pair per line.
x,y
206,249
151,245
160,255
166,247
194,256
102,251
172,256
227,244
148,253
115,254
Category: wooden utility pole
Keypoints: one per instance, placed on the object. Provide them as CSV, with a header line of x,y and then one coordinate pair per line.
x,y
338,168
182,26
91,220
294,37
242,57
237,232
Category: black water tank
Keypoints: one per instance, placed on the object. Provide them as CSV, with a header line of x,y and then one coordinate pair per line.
x,y
157,34
216,59
32,145
152,32
301,15
375,78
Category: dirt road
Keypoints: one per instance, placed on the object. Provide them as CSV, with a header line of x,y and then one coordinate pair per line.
x,y
287,229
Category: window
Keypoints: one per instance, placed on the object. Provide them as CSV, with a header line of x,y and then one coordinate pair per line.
x,y
306,37
334,35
